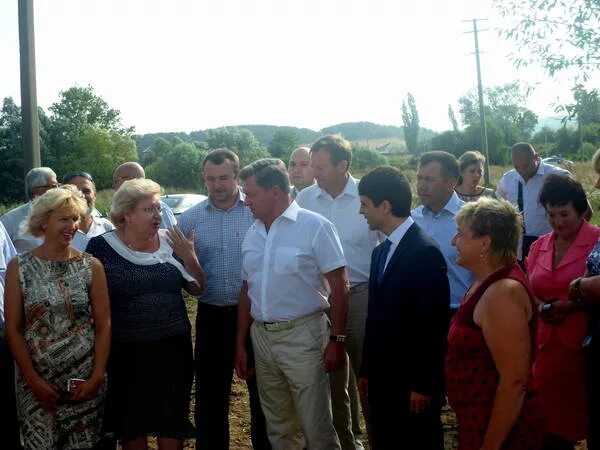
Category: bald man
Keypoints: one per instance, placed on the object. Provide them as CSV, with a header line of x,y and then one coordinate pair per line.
x,y
300,170
131,171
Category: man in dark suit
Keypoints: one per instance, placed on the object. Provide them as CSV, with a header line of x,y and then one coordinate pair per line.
x,y
409,299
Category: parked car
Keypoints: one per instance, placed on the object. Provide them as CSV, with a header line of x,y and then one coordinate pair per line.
x,y
556,160
181,202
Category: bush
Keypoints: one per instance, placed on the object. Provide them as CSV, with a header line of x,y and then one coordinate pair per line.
x,y
366,158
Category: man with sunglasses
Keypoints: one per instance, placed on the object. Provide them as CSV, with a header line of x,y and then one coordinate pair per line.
x,y
90,224
37,181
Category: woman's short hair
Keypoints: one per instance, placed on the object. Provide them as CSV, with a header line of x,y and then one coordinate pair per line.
x,y
560,190
128,196
64,199
468,158
499,220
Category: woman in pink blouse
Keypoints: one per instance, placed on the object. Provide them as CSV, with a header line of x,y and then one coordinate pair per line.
x,y
555,259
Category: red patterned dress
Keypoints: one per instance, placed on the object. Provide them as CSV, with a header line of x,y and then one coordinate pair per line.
x,y
472,377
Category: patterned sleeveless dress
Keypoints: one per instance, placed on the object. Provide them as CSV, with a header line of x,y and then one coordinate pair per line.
x,y
59,333
472,377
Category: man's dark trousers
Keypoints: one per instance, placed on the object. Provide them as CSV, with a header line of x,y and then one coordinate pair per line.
x,y
214,359
10,425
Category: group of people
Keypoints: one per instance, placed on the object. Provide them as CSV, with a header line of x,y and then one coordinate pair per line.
x,y
328,295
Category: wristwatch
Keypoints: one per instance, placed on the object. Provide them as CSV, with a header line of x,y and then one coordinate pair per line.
x,y
337,338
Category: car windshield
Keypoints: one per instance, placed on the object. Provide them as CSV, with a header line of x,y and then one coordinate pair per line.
x,y
172,202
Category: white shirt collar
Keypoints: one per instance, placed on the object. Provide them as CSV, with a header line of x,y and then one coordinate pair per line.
x,y
397,235
351,188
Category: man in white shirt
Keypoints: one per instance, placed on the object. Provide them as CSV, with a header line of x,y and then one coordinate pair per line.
x,y
131,171
335,196
300,171
89,225
292,260
37,181
521,186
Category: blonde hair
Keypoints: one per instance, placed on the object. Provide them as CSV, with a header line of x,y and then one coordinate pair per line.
x,y
67,199
499,220
128,196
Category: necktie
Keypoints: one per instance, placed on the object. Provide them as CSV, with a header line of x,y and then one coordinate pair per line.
x,y
385,249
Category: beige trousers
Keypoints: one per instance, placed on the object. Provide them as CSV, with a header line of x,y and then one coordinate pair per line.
x,y
344,396
293,385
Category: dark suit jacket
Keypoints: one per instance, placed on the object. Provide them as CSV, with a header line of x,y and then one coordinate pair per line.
x,y
407,322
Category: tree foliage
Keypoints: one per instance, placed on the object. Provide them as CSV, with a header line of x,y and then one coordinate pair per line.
x,y
410,119
178,165
505,106
557,34
366,158
285,140
237,139
81,133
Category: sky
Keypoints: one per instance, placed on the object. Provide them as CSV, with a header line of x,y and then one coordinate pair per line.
x,y
184,65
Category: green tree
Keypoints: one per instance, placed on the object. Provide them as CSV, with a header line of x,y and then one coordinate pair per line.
x,y
505,106
179,167
285,140
557,34
99,151
78,109
367,158
449,141
11,154
498,150
238,140
410,119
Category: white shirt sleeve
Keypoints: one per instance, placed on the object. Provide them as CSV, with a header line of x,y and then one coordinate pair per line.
x,y
327,248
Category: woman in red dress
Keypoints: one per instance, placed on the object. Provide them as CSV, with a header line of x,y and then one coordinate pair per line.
x,y
491,339
555,260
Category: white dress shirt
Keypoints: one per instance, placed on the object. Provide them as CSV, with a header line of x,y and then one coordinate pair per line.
x,y
12,220
99,226
534,213
358,241
7,252
284,268
396,236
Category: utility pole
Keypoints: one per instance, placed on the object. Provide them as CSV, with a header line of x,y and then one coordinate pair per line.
x,y
30,128
484,141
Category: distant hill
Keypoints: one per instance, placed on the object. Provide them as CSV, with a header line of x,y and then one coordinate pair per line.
x,y
265,133
353,131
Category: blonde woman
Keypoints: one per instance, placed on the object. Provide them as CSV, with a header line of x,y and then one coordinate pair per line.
x,y
58,328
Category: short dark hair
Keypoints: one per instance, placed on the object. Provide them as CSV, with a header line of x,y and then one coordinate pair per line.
x,y
218,157
339,148
269,172
387,183
68,177
445,159
559,190
525,148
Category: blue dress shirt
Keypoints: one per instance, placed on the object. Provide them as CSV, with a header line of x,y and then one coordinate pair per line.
x,y
441,228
